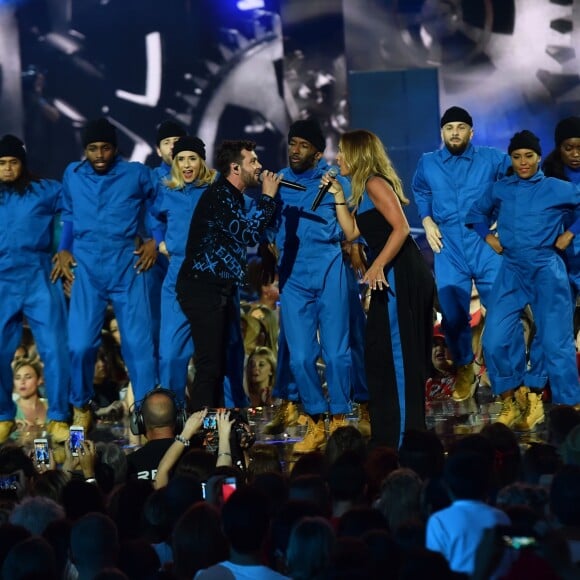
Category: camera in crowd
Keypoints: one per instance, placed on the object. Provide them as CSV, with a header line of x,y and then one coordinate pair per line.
x,y
242,437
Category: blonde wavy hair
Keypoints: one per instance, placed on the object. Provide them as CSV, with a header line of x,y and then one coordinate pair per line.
x,y
205,177
366,156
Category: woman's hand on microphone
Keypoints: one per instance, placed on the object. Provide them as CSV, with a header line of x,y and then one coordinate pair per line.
x,y
335,186
270,183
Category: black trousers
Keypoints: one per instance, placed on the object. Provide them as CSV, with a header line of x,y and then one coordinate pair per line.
x,y
210,308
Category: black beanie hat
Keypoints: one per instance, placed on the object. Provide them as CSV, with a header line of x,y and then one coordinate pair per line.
x,y
310,130
525,140
99,130
11,146
568,128
194,144
456,115
170,129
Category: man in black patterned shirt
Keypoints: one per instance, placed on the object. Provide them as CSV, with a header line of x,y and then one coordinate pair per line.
x,y
215,262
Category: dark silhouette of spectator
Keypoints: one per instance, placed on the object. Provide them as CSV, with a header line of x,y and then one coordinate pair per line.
x,y
351,560
561,420
539,463
384,554
565,506
379,463
263,459
10,535
57,534
311,549
50,484
110,466
80,498
94,545
196,462
346,481
31,558
410,535
434,497
35,513
359,520
312,488
111,574
282,524
308,464
138,560
422,563
400,499
275,487
507,456
126,507
423,452
181,492
198,541
344,439
245,522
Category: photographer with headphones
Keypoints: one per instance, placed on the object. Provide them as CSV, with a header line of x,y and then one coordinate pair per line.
x,y
159,418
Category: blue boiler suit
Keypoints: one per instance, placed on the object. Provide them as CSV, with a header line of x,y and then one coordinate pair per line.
x,y
157,273
573,250
445,186
530,214
26,235
106,211
175,207
314,292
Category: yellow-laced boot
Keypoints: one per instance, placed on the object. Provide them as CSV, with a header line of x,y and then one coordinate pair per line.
x,y
464,383
533,413
315,436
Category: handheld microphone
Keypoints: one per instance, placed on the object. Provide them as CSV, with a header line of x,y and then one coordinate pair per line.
x,y
285,183
323,190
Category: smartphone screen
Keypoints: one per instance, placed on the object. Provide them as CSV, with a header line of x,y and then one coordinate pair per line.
x,y
41,451
9,481
204,490
518,542
210,421
77,434
228,487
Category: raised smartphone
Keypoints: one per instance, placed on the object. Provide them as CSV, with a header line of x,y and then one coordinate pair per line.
x,y
76,435
41,451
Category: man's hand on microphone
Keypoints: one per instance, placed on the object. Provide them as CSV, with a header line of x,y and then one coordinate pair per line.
x,y
270,183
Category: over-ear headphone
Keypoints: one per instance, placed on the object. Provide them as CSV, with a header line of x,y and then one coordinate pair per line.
x,y
137,421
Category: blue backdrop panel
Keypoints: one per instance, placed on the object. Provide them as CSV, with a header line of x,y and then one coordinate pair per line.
x,y
402,108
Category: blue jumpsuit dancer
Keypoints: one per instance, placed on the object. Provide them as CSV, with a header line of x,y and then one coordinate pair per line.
x,y
104,201
27,211
564,163
530,212
314,289
446,184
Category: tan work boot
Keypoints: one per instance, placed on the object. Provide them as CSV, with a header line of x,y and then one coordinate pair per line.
x,y
464,383
315,437
286,415
521,397
58,431
337,421
82,417
6,427
510,412
364,420
533,414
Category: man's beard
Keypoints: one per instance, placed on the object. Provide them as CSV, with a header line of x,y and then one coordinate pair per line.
x,y
457,148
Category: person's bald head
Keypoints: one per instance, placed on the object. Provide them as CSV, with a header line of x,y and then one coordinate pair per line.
x,y
159,411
